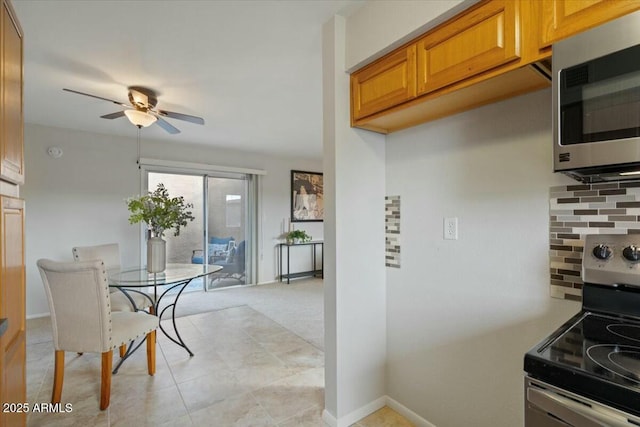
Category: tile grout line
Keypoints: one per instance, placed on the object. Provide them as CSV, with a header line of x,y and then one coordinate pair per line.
x,y
287,329
297,414
255,341
273,421
284,364
175,383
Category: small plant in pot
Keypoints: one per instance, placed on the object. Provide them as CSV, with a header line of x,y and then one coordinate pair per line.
x,y
297,236
160,212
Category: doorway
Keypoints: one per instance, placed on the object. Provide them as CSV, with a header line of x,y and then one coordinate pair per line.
x,y
223,230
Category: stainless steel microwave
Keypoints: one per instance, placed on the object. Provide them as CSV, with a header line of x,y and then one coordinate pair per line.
x,y
596,102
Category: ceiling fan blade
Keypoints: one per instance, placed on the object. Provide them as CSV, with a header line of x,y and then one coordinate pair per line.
x,y
180,116
115,115
167,126
97,97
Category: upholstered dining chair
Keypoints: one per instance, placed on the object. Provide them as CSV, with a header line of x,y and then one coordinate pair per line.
x,y
110,255
79,301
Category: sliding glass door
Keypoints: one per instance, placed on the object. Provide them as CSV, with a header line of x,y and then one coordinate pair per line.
x,y
229,229
224,230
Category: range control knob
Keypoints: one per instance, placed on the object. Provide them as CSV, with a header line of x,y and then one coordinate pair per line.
x,y
602,252
631,253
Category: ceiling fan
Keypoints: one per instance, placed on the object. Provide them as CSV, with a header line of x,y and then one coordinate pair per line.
x,y
142,112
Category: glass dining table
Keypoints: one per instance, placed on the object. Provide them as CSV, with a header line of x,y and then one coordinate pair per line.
x,y
167,285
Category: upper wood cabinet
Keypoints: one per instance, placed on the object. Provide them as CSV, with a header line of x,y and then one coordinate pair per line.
x,y
480,46
11,108
563,18
385,83
485,38
494,50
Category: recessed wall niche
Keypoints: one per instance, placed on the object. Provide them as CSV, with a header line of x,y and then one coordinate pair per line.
x,y
392,231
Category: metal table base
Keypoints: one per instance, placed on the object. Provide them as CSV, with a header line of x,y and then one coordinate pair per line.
x,y
167,284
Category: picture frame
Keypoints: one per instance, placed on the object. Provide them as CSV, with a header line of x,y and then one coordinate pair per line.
x,y
307,196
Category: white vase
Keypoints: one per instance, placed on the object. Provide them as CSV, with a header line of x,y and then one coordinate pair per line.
x,y
156,254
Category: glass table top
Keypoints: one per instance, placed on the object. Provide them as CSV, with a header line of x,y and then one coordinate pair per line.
x,y
174,273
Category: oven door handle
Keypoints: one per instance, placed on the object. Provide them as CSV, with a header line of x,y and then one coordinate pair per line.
x,y
574,413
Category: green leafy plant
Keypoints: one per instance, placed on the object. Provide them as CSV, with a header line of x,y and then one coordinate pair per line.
x,y
298,235
159,211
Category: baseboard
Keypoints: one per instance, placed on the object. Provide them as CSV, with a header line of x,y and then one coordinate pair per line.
x,y
372,407
416,419
354,416
37,315
329,419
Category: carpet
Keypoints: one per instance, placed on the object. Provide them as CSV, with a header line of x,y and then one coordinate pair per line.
x,y
298,306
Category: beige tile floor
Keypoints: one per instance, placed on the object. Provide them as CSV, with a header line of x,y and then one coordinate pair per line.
x,y
247,370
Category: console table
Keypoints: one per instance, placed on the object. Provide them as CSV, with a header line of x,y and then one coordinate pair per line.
x,y
315,272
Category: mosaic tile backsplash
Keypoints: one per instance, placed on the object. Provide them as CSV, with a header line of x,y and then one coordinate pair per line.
x,y
577,210
392,231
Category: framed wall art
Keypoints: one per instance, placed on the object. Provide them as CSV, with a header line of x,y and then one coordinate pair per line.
x,y
307,196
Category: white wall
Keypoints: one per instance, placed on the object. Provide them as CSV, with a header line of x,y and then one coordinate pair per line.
x,y
79,199
462,313
355,305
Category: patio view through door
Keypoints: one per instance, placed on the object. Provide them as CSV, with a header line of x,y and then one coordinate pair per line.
x,y
224,225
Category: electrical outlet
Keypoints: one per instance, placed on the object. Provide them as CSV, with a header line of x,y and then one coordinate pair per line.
x,y
451,228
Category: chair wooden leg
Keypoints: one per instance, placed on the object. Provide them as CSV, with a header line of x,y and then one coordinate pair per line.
x,y
151,352
58,377
123,350
105,389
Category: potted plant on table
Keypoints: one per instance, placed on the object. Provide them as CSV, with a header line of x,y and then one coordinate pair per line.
x,y
297,236
161,213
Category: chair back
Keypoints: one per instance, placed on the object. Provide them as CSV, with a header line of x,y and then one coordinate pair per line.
x,y
236,265
78,296
109,254
240,254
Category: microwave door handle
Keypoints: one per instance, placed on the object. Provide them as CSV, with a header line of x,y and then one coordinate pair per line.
x,y
574,413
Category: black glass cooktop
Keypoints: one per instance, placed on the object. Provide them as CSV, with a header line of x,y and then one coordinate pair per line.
x,y
604,346
596,355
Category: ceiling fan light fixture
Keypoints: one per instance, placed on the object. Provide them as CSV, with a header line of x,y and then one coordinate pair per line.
x,y
141,112
140,118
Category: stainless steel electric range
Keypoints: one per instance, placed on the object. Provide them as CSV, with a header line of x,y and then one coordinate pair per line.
x,y
587,373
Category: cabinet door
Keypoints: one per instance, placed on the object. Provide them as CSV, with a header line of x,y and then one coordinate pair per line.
x,y
12,307
11,149
477,41
384,84
563,18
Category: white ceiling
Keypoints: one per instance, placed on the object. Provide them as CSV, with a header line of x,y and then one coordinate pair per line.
x,y
251,69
